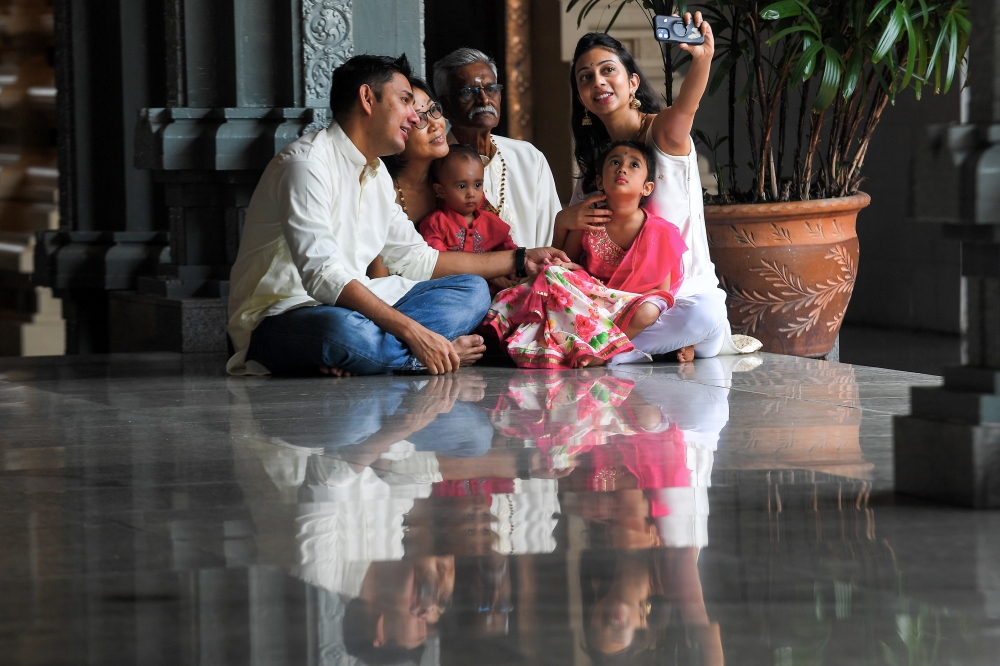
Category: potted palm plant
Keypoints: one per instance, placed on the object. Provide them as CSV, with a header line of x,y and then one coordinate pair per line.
x,y
812,79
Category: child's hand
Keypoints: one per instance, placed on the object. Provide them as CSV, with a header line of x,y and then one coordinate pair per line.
x,y
581,217
701,51
505,282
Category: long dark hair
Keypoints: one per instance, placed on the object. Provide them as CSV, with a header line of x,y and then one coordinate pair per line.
x,y
394,163
592,139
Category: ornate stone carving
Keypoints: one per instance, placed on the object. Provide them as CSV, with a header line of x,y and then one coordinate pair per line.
x,y
326,43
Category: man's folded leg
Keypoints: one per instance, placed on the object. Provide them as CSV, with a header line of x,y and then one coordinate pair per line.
x,y
302,340
450,306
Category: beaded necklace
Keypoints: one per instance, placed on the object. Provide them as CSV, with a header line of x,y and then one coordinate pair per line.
x,y
402,199
503,181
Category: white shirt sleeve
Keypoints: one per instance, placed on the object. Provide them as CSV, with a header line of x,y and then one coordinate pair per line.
x,y
547,205
304,204
406,253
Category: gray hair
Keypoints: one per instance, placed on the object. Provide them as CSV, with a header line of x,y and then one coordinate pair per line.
x,y
458,58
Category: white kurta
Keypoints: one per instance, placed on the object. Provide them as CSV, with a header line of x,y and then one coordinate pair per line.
x,y
531,201
355,518
319,216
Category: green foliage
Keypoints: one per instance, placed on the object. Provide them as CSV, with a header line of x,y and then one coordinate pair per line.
x,y
847,58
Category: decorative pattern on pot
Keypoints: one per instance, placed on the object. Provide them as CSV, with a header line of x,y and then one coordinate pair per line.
x,y
788,269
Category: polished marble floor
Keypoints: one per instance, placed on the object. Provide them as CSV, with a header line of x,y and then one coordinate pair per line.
x,y
739,511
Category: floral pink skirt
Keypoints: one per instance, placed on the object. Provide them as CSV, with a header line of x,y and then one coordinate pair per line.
x,y
561,316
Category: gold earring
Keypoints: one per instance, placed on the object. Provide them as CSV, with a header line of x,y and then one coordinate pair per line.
x,y
635,103
586,122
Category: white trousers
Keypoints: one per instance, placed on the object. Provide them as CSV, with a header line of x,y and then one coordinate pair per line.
x,y
697,320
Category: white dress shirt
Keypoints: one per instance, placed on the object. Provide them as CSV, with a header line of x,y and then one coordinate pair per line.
x,y
530,197
353,518
319,216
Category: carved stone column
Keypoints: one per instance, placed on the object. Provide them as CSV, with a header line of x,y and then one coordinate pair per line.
x,y
168,112
244,80
517,92
949,448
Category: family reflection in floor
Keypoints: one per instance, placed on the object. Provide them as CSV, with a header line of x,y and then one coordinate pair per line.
x,y
416,510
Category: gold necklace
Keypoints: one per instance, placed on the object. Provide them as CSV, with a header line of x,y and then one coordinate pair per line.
x,y
402,199
503,181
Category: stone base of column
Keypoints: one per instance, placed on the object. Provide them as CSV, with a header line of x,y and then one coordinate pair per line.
x,y
146,323
948,450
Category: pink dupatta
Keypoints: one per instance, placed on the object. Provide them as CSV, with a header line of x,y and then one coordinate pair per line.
x,y
656,252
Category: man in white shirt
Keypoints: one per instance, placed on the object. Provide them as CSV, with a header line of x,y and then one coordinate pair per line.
x,y
300,300
518,181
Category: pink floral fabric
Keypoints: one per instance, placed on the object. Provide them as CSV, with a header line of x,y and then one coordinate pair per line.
x,y
560,317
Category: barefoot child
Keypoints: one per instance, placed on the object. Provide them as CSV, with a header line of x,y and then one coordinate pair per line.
x,y
569,319
460,224
634,250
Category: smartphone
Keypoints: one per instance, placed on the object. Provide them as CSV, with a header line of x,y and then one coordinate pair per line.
x,y
671,29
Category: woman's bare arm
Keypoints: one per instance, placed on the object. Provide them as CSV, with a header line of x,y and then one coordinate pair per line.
x,y
672,127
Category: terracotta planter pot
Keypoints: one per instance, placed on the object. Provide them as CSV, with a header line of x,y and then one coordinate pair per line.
x,y
788,269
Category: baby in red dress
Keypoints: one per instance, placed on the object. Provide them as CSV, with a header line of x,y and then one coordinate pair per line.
x,y
461,224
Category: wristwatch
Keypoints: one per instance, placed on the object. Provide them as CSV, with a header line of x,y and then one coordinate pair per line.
x,y
520,261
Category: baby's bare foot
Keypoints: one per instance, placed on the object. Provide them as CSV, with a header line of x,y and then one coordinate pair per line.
x,y
685,354
470,348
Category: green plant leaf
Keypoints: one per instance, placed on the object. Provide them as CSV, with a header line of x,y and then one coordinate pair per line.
x,y
878,10
615,16
937,49
891,34
787,31
586,10
832,72
952,55
781,10
924,11
807,62
817,26
912,51
853,73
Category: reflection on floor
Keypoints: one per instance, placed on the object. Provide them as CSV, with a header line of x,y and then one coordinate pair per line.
x,y
736,510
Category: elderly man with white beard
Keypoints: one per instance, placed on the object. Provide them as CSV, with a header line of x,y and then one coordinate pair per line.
x,y
518,183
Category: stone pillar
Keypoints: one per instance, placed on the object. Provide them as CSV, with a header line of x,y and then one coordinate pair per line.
x,y
518,91
244,79
172,108
948,449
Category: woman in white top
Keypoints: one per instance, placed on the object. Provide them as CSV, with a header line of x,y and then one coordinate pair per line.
x,y
612,101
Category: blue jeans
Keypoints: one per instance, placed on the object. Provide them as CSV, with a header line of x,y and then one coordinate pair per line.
x,y
299,341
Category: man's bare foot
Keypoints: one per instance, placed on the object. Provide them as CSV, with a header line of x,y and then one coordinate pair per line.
x,y
587,361
685,354
334,372
470,348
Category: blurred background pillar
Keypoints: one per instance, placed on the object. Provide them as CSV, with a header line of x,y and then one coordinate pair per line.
x,y
31,321
949,448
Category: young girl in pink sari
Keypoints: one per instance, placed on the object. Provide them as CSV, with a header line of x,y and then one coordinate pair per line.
x,y
577,319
